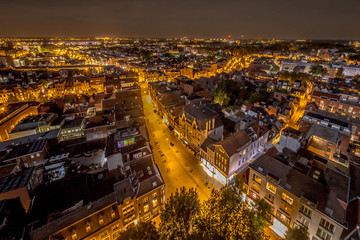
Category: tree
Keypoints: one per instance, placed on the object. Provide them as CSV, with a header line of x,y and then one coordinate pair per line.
x,y
225,216
255,97
297,233
143,231
318,70
356,80
340,73
177,219
292,76
221,97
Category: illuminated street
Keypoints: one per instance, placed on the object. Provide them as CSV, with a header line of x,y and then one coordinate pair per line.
x,y
178,166
178,120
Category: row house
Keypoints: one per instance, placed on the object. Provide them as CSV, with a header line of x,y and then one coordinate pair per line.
x,y
56,90
12,115
336,121
327,137
27,154
301,194
139,197
196,123
97,83
226,158
20,185
334,103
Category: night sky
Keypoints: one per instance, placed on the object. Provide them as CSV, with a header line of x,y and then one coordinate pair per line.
x,y
290,19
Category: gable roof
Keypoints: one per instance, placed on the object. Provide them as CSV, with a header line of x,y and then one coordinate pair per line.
x,y
232,143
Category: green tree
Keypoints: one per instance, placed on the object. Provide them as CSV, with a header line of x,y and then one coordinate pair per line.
x,y
143,231
177,219
221,97
225,216
297,233
318,70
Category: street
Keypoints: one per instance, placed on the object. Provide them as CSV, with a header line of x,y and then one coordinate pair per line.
x,y
178,166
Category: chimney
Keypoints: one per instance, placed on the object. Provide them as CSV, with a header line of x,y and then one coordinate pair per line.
x,y
257,126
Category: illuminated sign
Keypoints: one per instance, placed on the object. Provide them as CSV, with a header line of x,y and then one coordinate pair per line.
x,y
126,142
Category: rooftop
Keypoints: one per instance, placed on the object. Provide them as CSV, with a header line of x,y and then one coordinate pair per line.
x,y
233,143
15,181
328,192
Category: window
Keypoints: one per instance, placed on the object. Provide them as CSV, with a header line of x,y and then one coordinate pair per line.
x,y
146,207
327,225
306,211
154,195
287,199
256,187
101,219
88,227
257,179
145,200
155,202
271,188
286,208
283,218
305,221
269,197
73,234
323,235
113,214
137,155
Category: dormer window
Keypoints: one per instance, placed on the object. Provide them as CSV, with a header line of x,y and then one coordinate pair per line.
x,y
113,214
101,219
73,235
88,226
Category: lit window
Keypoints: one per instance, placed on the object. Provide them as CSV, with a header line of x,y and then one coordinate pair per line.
x,y
73,235
286,208
146,207
155,202
88,227
256,188
287,199
257,179
271,188
101,219
113,214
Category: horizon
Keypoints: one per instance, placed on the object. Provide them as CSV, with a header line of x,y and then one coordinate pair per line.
x,y
201,19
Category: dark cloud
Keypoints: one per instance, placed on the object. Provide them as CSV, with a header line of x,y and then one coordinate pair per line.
x,y
321,19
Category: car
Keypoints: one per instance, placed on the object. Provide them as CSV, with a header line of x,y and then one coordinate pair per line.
x,y
171,144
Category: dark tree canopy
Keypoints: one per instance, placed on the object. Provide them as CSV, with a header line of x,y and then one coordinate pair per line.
x,y
143,231
297,233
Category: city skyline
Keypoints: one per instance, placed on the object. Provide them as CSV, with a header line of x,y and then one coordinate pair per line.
x,y
201,19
